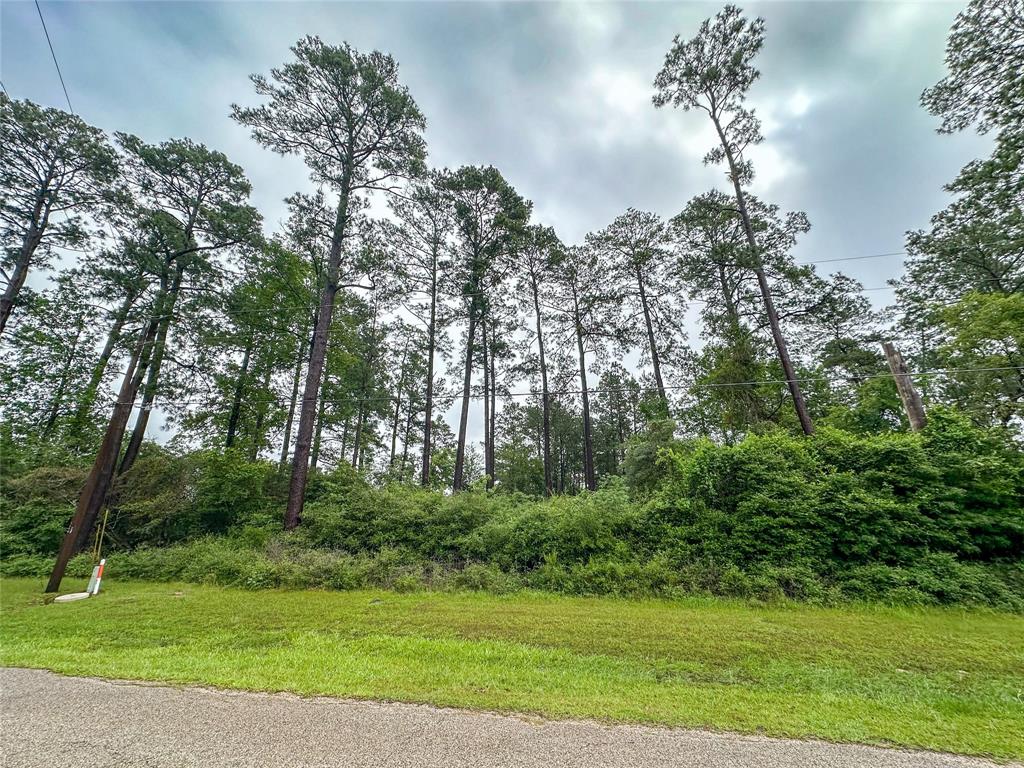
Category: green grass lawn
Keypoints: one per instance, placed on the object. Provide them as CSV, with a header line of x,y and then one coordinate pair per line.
x,y
938,679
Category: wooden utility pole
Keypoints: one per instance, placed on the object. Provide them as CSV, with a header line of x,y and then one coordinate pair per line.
x,y
905,386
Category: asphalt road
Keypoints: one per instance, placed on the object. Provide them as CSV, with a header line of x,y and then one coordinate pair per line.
x,y
53,721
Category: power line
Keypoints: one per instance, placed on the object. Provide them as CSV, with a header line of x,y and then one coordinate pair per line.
x,y
54,55
599,391
854,258
313,305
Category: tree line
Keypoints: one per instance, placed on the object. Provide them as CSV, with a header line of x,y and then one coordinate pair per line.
x,y
345,337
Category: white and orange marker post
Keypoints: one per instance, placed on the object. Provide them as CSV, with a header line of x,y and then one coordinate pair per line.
x,y
97,577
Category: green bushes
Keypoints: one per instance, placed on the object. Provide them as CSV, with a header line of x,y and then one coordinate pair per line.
x,y
36,509
837,500
569,528
166,498
930,518
284,563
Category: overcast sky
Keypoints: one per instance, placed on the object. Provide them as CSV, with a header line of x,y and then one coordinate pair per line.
x,y
557,96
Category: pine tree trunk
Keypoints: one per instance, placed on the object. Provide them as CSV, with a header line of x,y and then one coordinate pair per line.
x,y
317,357
762,281
460,449
344,435
488,469
493,431
588,441
88,398
153,374
317,435
261,416
655,360
730,303
97,484
545,396
405,439
398,406
287,440
357,435
431,343
357,443
236,400
29,243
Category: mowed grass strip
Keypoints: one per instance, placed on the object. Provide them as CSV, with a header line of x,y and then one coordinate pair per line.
x,y
936,679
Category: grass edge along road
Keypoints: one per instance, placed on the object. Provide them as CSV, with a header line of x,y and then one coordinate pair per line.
x,y
940,679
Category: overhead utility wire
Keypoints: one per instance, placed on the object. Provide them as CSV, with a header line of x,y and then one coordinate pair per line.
x,y
54,55
599,391
313,305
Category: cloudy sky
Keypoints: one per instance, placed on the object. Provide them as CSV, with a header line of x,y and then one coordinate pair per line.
x,y
557,96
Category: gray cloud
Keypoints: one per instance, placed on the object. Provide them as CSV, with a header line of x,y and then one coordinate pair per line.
x,y
557,96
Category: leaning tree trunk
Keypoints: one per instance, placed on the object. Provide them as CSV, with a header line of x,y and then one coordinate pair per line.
x,y
88,397
909,396
29,243
460,448
97,483
655,360
131,453
762,281
317,357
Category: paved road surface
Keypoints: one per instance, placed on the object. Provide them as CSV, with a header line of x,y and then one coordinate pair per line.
x,y
51,721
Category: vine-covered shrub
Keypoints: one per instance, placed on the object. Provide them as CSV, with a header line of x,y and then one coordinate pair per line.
x,y
836,499
929,518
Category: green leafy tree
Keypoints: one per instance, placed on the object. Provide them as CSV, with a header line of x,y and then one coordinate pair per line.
x,y
637,244
420,242
975,246
358,129
986,354
489,216
537,257
713,72
194,203
54,171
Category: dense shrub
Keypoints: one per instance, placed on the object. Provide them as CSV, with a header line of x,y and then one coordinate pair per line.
x,y
837,500
929,518
166,498
936,580
36,509
569,528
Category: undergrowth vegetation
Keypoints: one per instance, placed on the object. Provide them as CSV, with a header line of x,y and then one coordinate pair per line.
x,y
929,518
